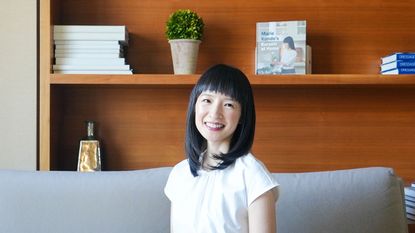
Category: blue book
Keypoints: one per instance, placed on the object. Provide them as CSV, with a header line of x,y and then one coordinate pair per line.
x,y
410,216
409,203
398,64
409,191
409,198
398,56
400,71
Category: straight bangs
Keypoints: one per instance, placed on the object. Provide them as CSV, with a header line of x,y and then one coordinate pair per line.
x,y
223,82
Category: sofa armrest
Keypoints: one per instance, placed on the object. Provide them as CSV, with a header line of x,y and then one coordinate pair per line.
x,y
356,200
68,202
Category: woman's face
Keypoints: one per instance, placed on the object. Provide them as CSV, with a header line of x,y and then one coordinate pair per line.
x,y
217,117
285,45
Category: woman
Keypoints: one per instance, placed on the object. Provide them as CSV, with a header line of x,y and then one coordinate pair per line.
x,y
221,186
288,56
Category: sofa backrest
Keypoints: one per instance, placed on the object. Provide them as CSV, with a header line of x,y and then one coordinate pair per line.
x,y
367,200
68,202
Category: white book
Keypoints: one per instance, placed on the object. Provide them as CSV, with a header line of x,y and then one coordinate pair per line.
x,y
90,61
123,38
89,47
89,67
409,191
87,42
92,72
90,28
76,51
88,55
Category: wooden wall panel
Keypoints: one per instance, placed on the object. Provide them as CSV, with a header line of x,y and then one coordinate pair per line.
x,y
139,128
325,129
298,129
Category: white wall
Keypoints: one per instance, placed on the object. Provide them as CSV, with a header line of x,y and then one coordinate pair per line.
x,y
18,84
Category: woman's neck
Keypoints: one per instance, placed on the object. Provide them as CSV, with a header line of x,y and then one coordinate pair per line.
x,y
213,149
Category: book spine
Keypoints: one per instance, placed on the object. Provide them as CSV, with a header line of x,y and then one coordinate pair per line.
x,y
88,42
89,28
397,57
410,210
405,56
308,60
410,217
91,51
86,67
89,47
409,198
406,70
400,71
409,191
90,61
89,55
89,36
92,72
398,64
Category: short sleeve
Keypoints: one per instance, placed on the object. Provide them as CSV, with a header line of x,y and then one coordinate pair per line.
x,y
174,179
259,181
168,188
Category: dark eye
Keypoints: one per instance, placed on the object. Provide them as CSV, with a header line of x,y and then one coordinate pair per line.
x,y
205,100
230,105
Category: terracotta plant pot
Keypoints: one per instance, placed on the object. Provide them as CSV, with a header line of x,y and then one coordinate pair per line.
x,y
184,54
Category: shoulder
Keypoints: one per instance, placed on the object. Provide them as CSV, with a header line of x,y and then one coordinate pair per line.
x,y
258,179
293,51
178,175
181,165
181,168
250,163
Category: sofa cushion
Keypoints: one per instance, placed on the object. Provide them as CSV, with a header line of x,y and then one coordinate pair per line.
x,y
357,200
60,202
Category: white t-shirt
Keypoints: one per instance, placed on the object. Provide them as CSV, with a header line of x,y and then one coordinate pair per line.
x,y
218,200
288,58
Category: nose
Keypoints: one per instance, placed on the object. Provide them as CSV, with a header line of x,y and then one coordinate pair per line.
x,y
215,111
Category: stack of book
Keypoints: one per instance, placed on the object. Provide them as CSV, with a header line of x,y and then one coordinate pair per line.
x,y
410,203
398,63
281,48
90,49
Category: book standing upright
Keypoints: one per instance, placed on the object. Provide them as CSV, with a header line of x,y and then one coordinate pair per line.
x,y
281,47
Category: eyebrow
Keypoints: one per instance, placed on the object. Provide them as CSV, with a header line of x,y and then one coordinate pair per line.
x,y
211,95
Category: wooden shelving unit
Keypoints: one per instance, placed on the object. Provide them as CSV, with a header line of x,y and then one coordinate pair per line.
x,y
344,115
168,80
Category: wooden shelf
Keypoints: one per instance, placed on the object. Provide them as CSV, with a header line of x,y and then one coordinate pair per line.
x,y
256,80
345,115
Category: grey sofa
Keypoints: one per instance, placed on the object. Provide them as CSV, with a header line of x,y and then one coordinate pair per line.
x,y
358,200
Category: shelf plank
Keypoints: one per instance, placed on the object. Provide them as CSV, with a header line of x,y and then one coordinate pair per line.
x,y
135,79
256,80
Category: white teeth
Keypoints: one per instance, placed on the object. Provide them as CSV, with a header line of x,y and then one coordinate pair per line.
x,y
214,125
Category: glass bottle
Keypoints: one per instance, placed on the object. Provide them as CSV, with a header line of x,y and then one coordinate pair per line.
x,y
89,156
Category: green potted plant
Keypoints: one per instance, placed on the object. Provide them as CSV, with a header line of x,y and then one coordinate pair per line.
x,y
184,31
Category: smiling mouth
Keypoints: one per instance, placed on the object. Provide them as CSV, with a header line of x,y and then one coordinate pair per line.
x,y
214,126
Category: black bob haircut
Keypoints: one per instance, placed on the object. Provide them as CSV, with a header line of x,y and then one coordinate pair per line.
x,y
290,41
231,82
